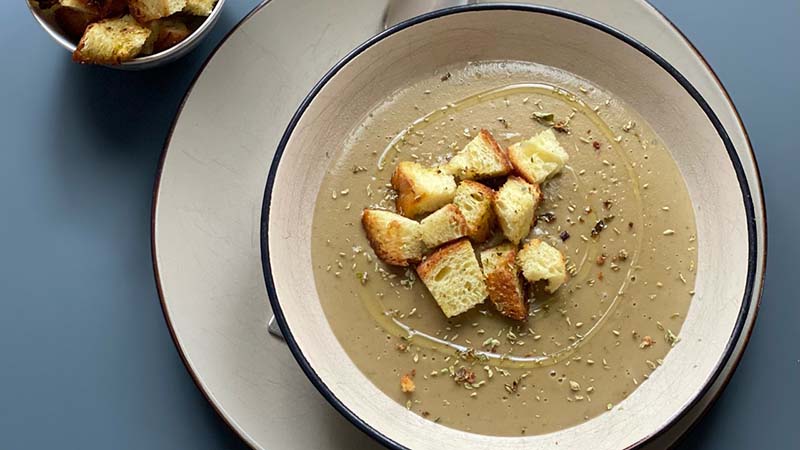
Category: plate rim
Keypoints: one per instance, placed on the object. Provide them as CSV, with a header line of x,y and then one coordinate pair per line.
x,y
231,422
752,289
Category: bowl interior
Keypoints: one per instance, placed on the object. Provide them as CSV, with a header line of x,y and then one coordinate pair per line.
x,y
394,60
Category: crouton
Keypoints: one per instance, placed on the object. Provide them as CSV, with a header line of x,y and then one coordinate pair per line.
x,y
541,261
503,281
396,240
514,205
421,189
43,5
474,200
454,278
149,45
111,41
539,157
480,158
74,16
170,33
112,8
147,10
86,6
444,225
199,7
164,33
407,384
73,21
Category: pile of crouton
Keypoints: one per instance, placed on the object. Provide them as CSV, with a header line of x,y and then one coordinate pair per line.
x,y
115,31
442,211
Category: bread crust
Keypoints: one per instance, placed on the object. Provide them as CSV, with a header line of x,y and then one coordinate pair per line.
x,y
145,11
458,217
480,232
504,284
407,196
498,151
82,56
454,277
454,214
388,249
412,200
510,233
518,165
432,261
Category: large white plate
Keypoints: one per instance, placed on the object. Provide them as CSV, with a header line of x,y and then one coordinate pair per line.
x,y
207,206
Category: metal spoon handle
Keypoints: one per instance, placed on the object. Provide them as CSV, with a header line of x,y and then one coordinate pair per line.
x,y
400,10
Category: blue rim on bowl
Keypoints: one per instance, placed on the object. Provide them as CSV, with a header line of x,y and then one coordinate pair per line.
x,y
750,292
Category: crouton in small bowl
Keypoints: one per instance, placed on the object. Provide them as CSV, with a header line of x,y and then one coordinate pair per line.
x,y
127,34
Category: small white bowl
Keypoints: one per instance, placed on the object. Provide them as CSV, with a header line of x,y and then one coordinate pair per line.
x,y
145,62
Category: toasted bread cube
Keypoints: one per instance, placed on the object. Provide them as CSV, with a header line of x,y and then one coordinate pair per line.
x,y
147,10
74,16
407,384
149,45
113,8
111,41
443,225
515,205
86,6
199,7
454,278
397,240
74,21
474,200
43,5
170,32
539,157
164,33
421,189
541,261
101,8
480,158
503,281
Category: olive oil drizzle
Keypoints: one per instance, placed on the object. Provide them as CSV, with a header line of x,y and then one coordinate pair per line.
x,y
399,328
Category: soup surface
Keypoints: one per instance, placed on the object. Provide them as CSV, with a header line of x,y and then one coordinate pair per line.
x,y
583,348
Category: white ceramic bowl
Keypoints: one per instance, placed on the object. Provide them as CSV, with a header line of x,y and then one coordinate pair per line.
x,y
727,241
145,62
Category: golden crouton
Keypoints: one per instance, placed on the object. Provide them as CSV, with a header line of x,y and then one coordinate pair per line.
x,y
396,240
539,157
515,205
73,16
147,10
474,200
444,225
73,22
503,281
109,8
87,6
165,33
111,41
454,278
541,261
421,189
407,384
199,7
480,158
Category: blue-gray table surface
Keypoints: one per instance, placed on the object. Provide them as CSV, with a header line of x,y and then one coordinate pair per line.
x,y
86,358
